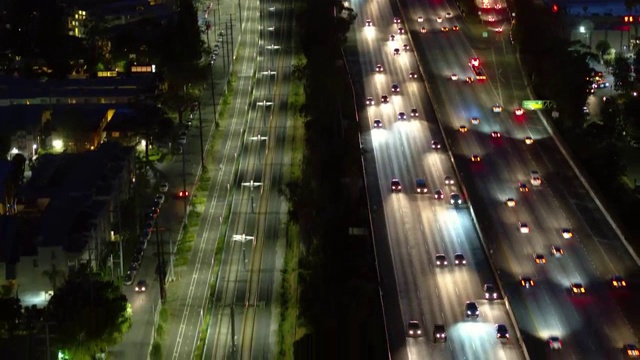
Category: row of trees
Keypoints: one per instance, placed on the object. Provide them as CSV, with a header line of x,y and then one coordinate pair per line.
x,y
560,71
85,316
339,290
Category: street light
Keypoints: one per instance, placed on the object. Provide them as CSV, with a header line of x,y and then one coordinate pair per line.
x,y
244,238
252,185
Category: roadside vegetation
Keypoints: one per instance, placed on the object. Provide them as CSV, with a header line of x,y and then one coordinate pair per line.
x,y
336,281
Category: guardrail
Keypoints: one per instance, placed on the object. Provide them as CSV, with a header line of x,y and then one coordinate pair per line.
x,y
466,195
366,189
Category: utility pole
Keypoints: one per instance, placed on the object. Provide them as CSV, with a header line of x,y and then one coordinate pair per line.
x,y
231,28
226,34
184,179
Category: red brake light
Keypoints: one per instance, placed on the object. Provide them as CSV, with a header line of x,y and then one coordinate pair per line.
x,y
555,8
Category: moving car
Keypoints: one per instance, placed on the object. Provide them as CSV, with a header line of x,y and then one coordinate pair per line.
x,y
414,329
526,282
396,52
458,259
528,140
384,99
420,19
441,260
471,310
475,158
577,289
557,251
567,233
455,28
395,88
421,186
423,30
438,194
474,61
448,15
439,19
370,101
519,111
379,68
448,180
490,292
555,343
496,134
617,281
141,286
405,47
414,112
444,29
377,124
536,180
523,187
631,350
413,75
497,108
502,332
539,259
454,77
463,128
402,115
183,194
368,23
455,199
435,144
396,20
439,333
475,120
401,31
395,185
469,80
160,198
164,186
524,228
182,139
511,202
392,37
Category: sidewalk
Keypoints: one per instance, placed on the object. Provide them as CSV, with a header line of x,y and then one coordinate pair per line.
x,y
137,343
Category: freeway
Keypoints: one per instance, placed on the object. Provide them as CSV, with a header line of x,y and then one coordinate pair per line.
x,y
418,226
591,326
244,320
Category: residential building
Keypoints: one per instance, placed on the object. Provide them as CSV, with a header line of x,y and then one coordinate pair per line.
x,y
67,214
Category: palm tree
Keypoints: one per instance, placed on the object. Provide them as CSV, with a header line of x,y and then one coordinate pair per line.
x,y
54,275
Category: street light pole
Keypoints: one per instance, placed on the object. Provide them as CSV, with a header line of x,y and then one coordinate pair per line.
x,y
184,179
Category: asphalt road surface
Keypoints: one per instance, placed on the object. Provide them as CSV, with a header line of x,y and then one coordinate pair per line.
x,y
244,322
592,325
417,225
190,292
136,343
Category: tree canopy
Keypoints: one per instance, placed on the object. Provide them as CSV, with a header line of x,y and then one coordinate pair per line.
x,y
90,314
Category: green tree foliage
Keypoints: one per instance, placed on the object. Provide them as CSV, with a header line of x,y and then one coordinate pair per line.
x,y
90,314
559,73
602,47
74,126
10,317
621,72
636,63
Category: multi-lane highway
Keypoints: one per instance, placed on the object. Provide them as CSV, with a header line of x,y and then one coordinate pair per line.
x,y
417,225
244,319
590,325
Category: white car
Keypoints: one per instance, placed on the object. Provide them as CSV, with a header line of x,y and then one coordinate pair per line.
x,y
448,15
439,19
524,228
420,19
535,178
497,108
475,120
160,198
454,77
164,187
555,343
